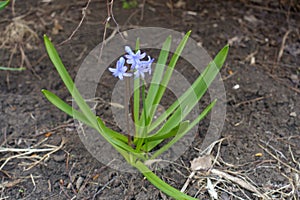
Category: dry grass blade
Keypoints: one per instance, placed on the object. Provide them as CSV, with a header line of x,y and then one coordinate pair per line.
x,y
55,149
280,161
29,151
17,32
238,181
203,162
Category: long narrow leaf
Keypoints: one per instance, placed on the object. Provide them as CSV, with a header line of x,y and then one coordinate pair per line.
x,y
161,185
168,74
158,72
54,57
120,146
172,133
12,69
3,4
198,88
136,95
145,121
184,130
96,122
63,106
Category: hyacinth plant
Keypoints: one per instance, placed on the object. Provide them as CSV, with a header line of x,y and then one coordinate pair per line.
x,y
167,129
3,4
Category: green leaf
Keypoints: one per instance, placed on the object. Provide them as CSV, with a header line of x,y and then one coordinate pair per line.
x,y
168,74
158,72
110,132
3,4
136,105
187,101
160,184
54,57
154,86
129,4
172,133
93,120
12,69
184,129
145,121
119,144
136,95
136,100
63,106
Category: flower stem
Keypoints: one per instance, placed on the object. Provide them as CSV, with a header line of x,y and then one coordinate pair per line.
x,y
126,104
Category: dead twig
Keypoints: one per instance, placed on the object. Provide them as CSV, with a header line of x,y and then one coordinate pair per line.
x,y
29,151
55,149
250,101
270,9
293,157
239,181
67,124
205,155
79,25
142,10
110,15
280,161
282,45
104,186
277,151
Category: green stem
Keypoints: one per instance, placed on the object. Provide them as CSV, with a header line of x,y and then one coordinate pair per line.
x,y
126,104
144,121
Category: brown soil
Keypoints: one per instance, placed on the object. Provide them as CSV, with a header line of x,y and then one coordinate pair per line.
x,y
262,127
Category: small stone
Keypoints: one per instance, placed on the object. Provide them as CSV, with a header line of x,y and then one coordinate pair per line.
x,y
252,61
237,86
69,186
294,78
79,182
293,114
59,158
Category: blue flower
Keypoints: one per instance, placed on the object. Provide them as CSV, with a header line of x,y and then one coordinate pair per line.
x,y
134,58
120,69
143,67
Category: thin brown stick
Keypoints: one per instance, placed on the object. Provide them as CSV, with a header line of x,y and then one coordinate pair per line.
x,y
282,45
126,104
270,9
249,101
13,7
110,15
276,158
237,180
79,25
48,154
143,10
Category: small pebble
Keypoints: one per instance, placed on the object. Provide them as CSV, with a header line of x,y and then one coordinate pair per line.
x,y
59,158
252,61
79,182
237,86
69,186
293,114
294,78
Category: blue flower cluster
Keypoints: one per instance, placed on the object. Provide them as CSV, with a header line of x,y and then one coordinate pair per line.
x,y
138,66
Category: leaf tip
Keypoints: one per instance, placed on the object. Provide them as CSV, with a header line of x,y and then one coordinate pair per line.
x,y
227,46
43,91
188,33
